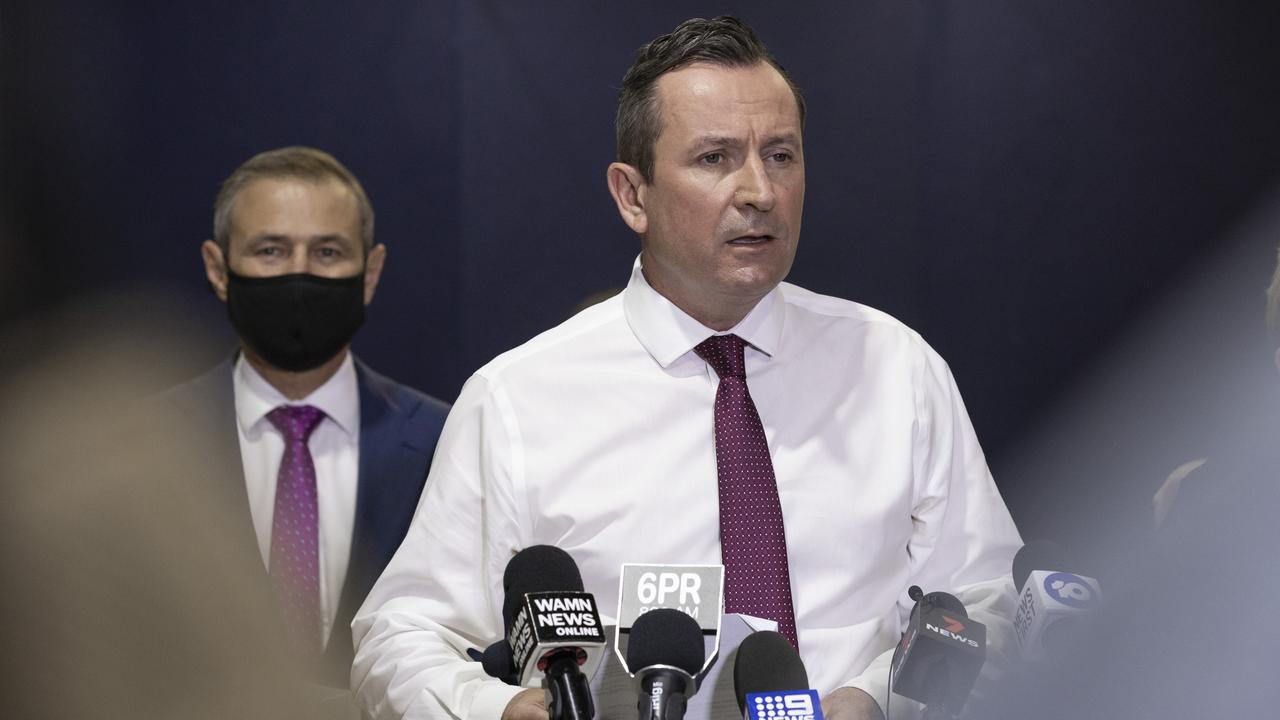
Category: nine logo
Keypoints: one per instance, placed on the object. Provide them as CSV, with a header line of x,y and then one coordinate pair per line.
x,y
791,705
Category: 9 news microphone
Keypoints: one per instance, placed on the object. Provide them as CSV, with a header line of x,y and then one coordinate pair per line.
x,y
665,653
555,639
770,681
1051,601
940,654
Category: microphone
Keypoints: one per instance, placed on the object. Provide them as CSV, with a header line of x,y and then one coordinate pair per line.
x,y
696,590
1051,600
666,655
940,654
770,681
537,568
554,637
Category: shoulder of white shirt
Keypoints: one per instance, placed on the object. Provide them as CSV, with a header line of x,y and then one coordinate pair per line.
x,y
829,305
799,299
582,324
610,311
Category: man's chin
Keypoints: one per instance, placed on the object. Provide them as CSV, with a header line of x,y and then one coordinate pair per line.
x,y
755,278
749,290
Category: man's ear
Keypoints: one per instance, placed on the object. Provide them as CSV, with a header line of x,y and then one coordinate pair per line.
x,y
373,270
628,188
215,268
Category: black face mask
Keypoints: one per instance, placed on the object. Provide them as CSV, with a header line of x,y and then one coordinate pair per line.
x,y
295,322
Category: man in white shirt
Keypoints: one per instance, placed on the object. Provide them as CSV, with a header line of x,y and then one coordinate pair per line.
x,y
618,435
327,458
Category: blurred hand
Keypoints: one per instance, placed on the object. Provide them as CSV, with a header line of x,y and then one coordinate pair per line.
x,y
848,703
528,705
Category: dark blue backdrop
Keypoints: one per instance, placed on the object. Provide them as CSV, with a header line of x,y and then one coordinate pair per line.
x,y
1017,179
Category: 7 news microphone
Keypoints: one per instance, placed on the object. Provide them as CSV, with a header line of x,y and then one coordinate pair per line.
x,y
770,681
665,653
554,637
940,654
1051,600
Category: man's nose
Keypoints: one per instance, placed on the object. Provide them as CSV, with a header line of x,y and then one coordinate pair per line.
x,y
299,259
755,188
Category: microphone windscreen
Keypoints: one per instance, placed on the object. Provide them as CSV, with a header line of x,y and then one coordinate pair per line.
x,y
766,662
666,636
498,662
537,568
1038,555
944,601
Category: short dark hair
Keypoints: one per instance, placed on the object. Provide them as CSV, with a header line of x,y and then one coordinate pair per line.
x,y
725,41
304,163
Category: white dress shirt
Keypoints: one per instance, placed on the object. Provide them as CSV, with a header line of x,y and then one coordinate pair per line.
x,y
335,450
596,437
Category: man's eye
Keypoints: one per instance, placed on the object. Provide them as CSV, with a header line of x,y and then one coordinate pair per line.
x,y
781,157
329,252
712,158
269,251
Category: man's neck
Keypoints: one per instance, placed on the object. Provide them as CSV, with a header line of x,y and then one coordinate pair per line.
x,y
719,321
719,313
296,385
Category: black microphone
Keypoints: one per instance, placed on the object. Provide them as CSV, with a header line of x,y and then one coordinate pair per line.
x,y
497,662
767,664
666,654
539,568
1052,598
1038,555
554,639
940,654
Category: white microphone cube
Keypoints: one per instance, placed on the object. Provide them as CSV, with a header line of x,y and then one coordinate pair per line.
x,y
1048,603
550,620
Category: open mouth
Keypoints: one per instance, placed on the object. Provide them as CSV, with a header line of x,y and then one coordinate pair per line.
x,y
751,240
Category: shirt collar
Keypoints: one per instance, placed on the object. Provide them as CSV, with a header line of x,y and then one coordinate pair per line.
x,y
668,333
338,397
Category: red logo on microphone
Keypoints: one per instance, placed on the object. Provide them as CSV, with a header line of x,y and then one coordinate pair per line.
x,y
953,625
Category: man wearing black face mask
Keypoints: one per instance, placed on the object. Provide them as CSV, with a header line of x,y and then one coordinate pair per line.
x,y
327,456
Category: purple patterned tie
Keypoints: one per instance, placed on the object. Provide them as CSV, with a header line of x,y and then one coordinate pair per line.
x,y
753,544
295,550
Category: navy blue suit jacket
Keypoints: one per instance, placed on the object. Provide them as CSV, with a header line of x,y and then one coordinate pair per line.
x,y
399,427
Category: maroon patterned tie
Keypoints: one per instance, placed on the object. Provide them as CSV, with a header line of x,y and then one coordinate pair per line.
x,y
753,544
295,550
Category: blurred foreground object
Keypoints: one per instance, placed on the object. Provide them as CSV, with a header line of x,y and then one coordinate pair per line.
x,y
123,596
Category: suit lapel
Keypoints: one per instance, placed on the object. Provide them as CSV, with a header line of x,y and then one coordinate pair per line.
x,y
203,410
392,467
223,411
210,401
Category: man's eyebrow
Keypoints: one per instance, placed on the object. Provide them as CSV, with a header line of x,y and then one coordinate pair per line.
x,y
278,238
782,139
717,140
733,142
267,238
332,237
